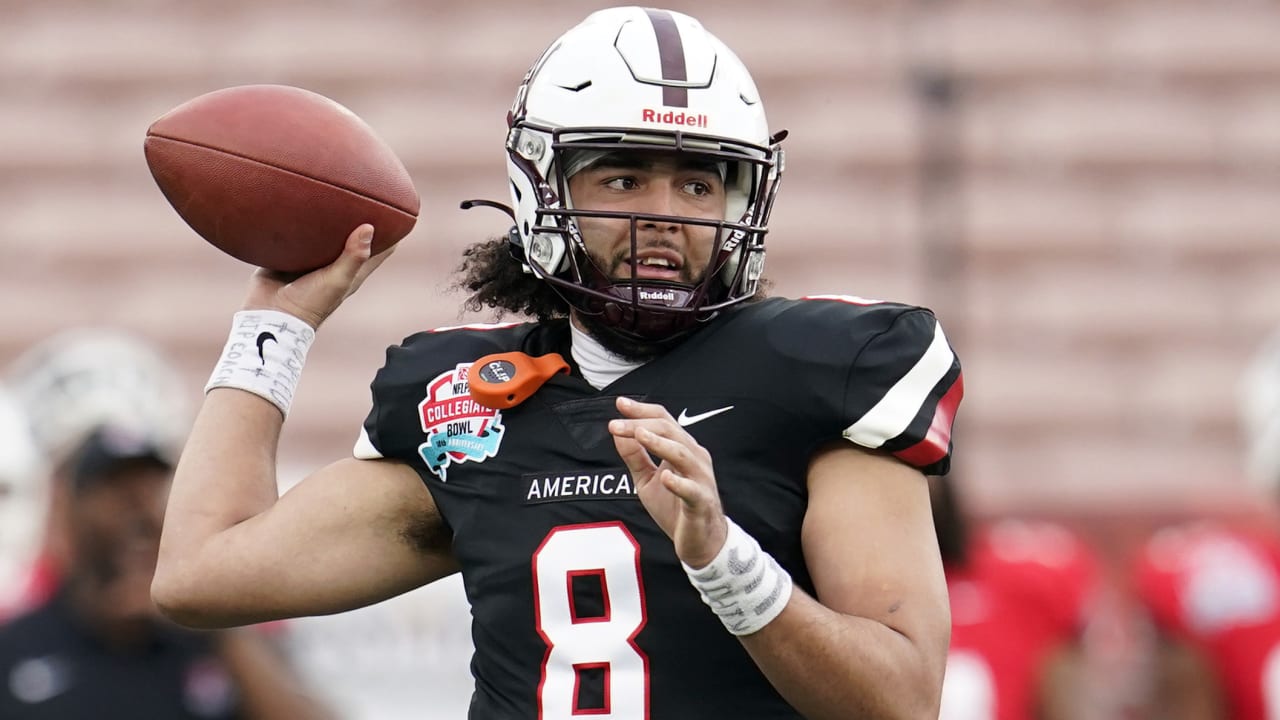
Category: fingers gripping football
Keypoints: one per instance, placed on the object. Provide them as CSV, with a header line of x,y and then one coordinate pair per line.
x,y
679,491
314,296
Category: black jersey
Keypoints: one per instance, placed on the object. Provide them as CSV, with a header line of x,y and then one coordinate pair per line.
x,y
579,602
53,668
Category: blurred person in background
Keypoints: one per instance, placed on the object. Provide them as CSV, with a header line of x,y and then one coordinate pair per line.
x,y
25,578
66,391
74,381
1212,589
1021,598
589,564
98,648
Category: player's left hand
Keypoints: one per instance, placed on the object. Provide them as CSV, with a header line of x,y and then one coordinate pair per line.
x,y
679,492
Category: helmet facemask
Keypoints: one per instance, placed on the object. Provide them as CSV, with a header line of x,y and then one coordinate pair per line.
x,y
604,291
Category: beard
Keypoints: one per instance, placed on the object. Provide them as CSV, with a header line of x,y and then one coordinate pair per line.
x,y
625,346
617,268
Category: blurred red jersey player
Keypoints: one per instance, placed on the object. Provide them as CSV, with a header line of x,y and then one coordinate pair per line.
x,y
1213,593
1020,595
1213,589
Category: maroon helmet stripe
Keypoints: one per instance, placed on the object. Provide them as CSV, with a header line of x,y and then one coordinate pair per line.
x,y
671,55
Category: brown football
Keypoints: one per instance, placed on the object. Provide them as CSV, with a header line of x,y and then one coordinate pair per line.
x,y
278,176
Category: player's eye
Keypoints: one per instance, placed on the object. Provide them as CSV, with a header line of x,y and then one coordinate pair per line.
x,y
625,182
699,188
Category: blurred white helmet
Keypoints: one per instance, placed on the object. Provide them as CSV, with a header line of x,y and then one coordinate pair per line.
x,y
24,499
633,78
1259,393
84,378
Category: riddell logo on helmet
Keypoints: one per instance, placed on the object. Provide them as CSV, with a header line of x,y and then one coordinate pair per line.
x,y
658,295
673,118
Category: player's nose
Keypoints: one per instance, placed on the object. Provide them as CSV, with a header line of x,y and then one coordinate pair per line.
x,y
660,200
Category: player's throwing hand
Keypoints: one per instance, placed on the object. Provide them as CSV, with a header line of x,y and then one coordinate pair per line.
x,y
679,492
313,296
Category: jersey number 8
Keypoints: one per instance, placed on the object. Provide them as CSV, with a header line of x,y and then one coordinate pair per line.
x,y
592,666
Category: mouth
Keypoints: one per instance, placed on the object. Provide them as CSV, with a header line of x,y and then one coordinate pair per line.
x,y
655,264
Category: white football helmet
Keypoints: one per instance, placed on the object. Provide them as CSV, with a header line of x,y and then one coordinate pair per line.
x,y
85,378
1259,393
635,78
24,500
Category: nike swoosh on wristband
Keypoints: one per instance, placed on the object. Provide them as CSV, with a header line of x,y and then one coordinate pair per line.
x,y
263,337
686,419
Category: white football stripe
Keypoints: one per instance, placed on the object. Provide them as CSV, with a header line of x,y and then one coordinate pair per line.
x,y
364,449
851,299
895,411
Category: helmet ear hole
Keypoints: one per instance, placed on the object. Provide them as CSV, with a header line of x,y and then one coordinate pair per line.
x,y
515,247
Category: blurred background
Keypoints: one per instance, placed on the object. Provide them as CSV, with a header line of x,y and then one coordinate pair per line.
x,y
1086,192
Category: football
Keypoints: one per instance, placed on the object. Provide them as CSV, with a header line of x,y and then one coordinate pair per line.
x,y
278,176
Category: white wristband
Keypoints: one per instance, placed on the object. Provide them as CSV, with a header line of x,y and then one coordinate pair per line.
x,y
264,355
743,585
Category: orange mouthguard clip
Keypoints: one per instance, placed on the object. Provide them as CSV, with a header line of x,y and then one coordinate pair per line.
x,y
504,380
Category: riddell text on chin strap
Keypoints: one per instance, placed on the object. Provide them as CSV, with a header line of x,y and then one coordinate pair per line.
x,y
504,380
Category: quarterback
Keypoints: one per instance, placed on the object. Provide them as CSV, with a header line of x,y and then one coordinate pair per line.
x,y
668,495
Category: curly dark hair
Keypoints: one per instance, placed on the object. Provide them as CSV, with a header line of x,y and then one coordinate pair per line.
x,y
494,279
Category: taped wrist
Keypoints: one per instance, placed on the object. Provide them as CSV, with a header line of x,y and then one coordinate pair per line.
x,y
264,355
743,585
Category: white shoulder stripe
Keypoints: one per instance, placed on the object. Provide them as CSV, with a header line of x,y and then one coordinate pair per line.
x,y
364,449
474,326
851,299
895,411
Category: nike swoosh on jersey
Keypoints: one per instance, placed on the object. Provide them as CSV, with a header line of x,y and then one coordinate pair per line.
x,y
686,419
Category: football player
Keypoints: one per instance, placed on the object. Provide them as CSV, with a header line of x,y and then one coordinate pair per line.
x,y
1212,589
668,496
1021,597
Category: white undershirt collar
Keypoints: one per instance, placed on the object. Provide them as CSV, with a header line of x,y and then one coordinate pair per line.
x,y
599,366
